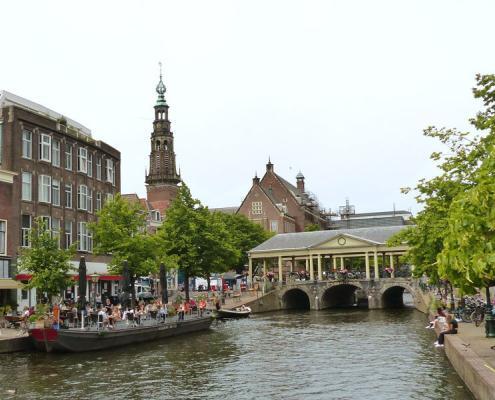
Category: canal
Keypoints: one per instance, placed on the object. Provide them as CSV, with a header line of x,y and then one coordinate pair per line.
x,y
332,354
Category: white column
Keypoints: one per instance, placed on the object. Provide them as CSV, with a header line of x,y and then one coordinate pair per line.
x,y
367,262
280,272
392,275
250,272
377,274
334,262
320,272
341,263
311,270
264,266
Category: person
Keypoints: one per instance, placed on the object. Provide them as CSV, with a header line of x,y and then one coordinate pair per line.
x,y
452,327
187,308
439,318
163,311
202,307
102,317
181,312
108,307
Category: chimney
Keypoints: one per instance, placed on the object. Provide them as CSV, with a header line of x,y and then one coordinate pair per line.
x,y
256,180
300,182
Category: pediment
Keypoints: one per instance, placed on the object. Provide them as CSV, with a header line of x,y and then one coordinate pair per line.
x,y
343,241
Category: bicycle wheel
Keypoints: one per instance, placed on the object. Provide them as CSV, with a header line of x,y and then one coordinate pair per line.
x,y
477,317
466,316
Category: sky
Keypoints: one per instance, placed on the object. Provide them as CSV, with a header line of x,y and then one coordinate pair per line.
x,y
339,90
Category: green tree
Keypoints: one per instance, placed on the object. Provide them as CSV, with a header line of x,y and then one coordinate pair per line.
x,y
121,231
312,228
456,202
245,235
49,265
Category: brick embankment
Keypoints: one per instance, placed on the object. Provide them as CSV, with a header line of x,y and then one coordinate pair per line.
x,y
471,355
11,341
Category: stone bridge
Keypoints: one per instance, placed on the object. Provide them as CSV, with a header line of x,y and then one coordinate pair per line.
x,y
319,295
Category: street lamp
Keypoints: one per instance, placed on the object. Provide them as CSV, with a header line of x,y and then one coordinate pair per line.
x,y
94,278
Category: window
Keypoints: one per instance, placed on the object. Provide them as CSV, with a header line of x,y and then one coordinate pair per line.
x,y
82,160
84,238
90,165
82,197
155,215
45,223
98,168
109,197
27,144
56,229
45,147
25,229
90,200
273,226
44,189
68,234
4,269
55,192
56,153
68,196
27,185
24,294
3,237
256,207
98,201
110,172
68,157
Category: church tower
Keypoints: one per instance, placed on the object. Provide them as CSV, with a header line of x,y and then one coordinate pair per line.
x,y
162,179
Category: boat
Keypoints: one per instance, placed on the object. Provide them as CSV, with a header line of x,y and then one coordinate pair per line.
x,y
92,339
238,312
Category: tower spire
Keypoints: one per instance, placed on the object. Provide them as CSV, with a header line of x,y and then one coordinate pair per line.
x,y
161,89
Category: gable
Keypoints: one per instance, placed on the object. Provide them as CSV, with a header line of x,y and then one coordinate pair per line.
x,y
344,241
256,194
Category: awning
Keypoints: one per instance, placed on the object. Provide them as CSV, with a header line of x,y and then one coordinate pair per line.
x,y
10,284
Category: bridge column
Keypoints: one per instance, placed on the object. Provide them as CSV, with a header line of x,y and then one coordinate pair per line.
x,y
334,263
250,263
341,263
280,272
264,266
320,272
311,269
367,262
375,259
392,275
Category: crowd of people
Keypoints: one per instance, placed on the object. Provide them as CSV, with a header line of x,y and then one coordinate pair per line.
x,y
446,323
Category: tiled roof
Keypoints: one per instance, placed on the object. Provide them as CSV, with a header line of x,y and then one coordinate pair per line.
x,y
366,222
303,240
289,185
225,210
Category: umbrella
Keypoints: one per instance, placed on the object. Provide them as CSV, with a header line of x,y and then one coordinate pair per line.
x,y
163,283
82,283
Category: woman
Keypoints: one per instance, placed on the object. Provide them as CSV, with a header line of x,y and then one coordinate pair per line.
x,y
452,326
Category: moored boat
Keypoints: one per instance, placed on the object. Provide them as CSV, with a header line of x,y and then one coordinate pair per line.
x,y
79,340
239,312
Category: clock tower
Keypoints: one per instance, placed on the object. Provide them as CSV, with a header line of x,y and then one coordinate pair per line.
x,y
162,179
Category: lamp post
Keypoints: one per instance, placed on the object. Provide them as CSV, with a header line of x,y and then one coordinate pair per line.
x,y
94,279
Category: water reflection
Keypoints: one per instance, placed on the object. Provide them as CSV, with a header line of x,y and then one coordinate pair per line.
x,y
332,354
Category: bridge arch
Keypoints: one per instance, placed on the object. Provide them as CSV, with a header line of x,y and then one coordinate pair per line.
x,y
392,295
340,295
296,299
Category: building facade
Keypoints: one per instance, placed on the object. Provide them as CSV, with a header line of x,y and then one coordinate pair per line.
x,y
281,207
50,167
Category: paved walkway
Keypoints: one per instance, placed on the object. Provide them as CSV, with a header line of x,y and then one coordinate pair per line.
x,y
473,337
8,333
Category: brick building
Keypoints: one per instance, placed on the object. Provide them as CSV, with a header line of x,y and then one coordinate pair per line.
x,y
50,167
281,207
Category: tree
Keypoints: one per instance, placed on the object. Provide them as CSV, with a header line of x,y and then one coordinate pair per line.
x,y
245,235
456,203
121,231
312,228
48,264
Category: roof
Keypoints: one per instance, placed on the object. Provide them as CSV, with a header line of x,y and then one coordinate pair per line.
x,y
225,210
304,240
353,223
288,185
380,213
10,99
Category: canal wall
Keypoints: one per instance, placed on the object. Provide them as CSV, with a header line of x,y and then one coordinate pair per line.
x,y
476,373
265,303
14,344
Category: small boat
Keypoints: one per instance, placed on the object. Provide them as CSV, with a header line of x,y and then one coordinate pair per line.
x,y
238,312
79,340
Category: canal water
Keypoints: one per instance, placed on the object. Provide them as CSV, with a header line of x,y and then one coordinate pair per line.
x,y
333,354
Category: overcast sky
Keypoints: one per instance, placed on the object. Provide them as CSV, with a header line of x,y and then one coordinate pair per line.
x,y
340,90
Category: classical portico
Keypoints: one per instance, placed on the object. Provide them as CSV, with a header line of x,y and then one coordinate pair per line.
x,y
323,255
